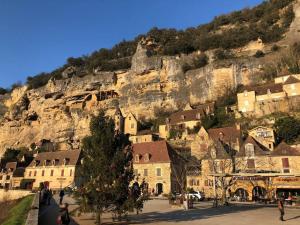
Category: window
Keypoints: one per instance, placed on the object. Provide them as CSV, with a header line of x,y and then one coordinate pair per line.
x,y
52,173
285,165
29,174
145,172
250,163
137,158
43,173
71,172
1,177
249,150
132,125
35,173
158,172
198,116
182,117
146,157
7,177
136,172
62,173
129,117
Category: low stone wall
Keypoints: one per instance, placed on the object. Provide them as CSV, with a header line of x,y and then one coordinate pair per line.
x,y
8,195
33,214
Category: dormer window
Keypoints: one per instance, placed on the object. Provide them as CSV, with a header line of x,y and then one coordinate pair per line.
x,y
198,116
147,157
221,135
168,120
66,161
45,163
269,91
213,153
129,117
137,158
53,162
182,117
249,150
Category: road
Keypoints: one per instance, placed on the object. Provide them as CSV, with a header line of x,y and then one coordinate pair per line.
x,y
159,212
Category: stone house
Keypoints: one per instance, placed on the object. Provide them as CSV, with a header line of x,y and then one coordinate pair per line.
x,y
185,121
159,166
6,175
259,173
280,96
214,149
55,170
130,124
263,135
144,136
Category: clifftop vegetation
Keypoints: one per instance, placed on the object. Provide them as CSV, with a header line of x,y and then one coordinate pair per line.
x,y
268,21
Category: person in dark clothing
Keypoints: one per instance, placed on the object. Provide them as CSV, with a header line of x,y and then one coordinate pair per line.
x,y
49,196
64,217
61,196
281,207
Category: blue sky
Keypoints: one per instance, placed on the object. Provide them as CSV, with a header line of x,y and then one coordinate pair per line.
x,y
39,35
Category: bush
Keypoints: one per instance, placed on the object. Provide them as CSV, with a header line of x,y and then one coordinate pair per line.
x,y
275,48
3,91
259,54
221,54
287,128
200,61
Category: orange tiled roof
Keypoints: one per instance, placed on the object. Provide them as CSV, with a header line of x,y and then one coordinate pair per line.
x,y
158,152
226,134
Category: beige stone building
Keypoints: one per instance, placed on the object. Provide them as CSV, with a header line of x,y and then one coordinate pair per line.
x,y
280,96
185,121
263,135
254,173
159,166
130,125
144,136
216,144
54,169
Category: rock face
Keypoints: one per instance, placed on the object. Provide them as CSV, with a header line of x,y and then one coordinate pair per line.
x,y
61,110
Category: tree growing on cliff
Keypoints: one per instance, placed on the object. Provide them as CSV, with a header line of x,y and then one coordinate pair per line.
x,y
106,170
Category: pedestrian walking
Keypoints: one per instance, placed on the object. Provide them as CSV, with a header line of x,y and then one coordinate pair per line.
x,y
64,217
281,207
61,196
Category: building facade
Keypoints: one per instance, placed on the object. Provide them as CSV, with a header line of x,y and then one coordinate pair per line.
x,y
55,170
157,164
279,96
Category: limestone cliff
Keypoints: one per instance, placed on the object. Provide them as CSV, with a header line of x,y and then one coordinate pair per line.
x,y
61,110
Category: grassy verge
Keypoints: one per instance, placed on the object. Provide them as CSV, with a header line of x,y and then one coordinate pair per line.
x,y
18,214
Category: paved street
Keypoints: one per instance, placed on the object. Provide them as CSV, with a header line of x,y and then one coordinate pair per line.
x,y
159,212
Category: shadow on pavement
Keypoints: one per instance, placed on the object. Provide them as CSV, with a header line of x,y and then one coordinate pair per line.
x,y
190,215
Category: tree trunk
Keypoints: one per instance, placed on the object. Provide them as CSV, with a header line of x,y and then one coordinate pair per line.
x,y
98,219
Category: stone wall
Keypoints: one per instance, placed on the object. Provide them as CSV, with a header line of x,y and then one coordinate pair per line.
x,y
7,195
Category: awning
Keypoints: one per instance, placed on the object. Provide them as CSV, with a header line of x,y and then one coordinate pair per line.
x,y
287,187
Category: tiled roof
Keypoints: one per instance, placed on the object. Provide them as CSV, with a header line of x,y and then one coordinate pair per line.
x,y
191,115
59,156
259,150
263,89
226,134
291,80
283,149
158,152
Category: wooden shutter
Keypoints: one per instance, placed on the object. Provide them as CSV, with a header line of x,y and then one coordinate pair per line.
x,y
285,163
250,163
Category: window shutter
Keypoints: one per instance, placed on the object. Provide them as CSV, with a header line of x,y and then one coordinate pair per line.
x,y
285,163
250,163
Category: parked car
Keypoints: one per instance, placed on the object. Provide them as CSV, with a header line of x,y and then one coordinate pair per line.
x,y
196,195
